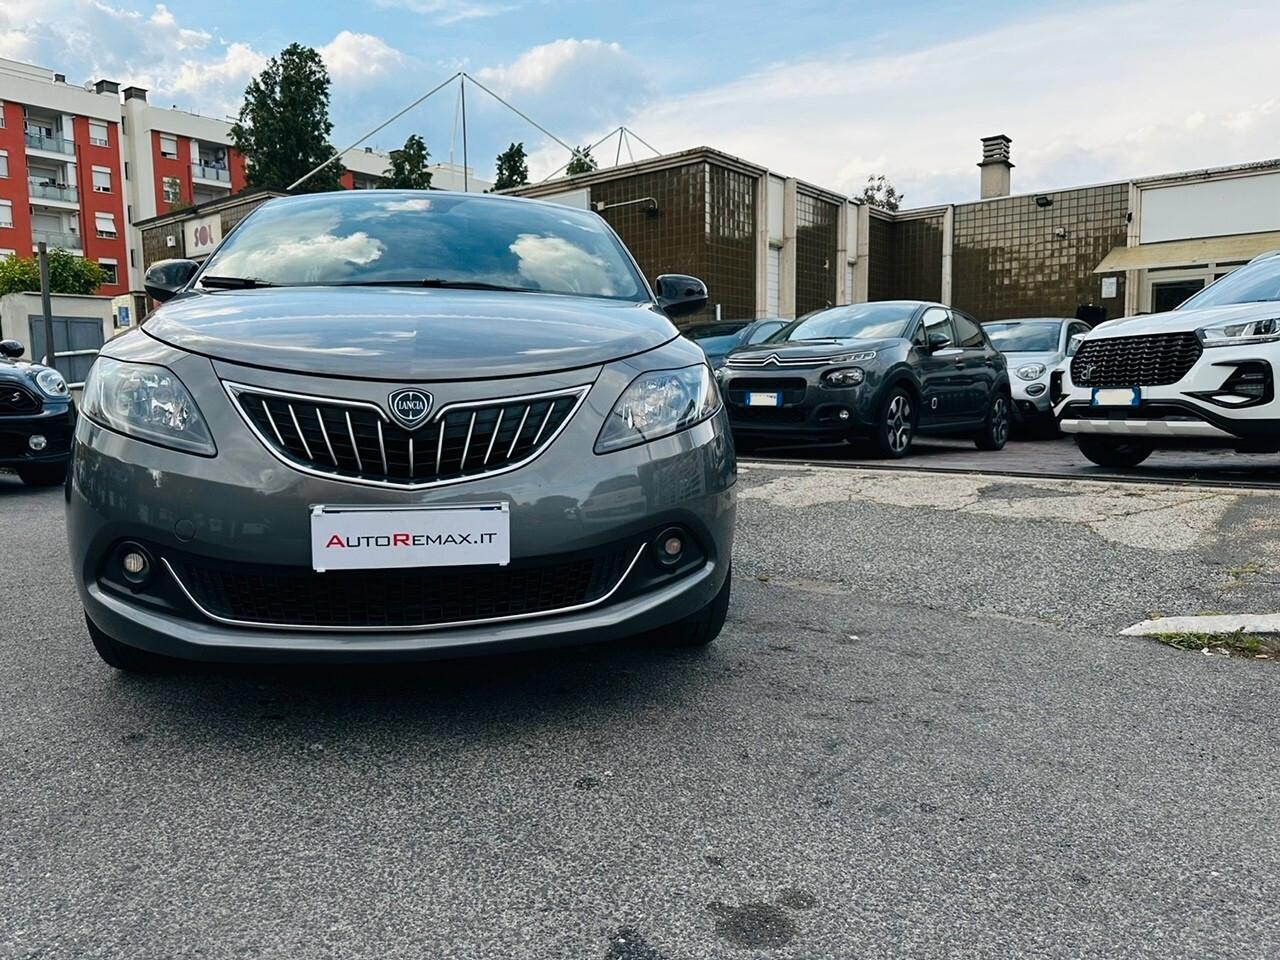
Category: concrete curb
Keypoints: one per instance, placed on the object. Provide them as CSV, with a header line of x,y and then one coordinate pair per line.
x,y
1217,623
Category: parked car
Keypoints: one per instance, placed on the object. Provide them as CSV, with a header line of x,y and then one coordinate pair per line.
x,y
37,417
880,372
1200,375
375,425
1034,347
717,339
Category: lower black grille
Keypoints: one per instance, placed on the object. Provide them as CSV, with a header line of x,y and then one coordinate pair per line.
x,y
359,442
792,389
767,414
1152,360
389,599
16,399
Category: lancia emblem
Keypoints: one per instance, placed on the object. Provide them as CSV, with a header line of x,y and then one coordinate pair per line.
x,y
410,407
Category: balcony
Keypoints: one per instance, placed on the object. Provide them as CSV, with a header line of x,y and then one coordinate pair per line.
x,y
56,238
41,190
209,171
39,141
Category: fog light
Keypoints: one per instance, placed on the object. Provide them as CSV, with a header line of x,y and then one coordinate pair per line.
x,y
37,442
843,414
1035,389
135,563
670,545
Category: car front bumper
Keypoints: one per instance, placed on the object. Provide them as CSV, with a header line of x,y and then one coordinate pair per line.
x,y
55,422
1182,413
809,411
245,512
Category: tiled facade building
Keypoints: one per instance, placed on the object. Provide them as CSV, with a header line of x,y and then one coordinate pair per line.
x,y
773,246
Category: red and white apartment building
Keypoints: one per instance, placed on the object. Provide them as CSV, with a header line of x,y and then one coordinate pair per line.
x,y
80,165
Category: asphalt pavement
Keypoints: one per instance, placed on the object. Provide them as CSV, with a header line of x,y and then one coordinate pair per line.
x,y
919,736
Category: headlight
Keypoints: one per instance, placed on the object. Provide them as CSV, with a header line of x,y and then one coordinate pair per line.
x,y
1032,371
849,377
51,382
148,402
658,404
854,357
1240,331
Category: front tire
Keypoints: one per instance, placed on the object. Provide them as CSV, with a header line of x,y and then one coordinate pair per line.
x,y
1113,452
124,657
701,627
43,474
895,425
995,432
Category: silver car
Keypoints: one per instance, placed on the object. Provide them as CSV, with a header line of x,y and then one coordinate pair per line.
x,y
382,425
1035,347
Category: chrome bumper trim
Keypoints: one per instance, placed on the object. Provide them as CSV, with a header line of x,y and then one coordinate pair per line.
x,y
1144,428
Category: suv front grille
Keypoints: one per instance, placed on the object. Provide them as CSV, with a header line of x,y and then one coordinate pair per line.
x,y
792,389
16,400
300,598
1152,360
357,441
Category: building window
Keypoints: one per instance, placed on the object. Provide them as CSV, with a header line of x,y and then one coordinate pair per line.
x,y
4,163
168,146
106,224
172,190
6,253
1,114
112,271
98,133
6,213
101,180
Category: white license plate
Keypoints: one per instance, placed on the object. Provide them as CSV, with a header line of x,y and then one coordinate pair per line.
x,y
764,399
365,538
1123,397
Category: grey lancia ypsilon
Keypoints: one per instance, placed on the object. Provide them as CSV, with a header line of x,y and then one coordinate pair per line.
x,y
381,425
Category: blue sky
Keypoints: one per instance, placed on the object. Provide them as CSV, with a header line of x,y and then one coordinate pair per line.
x,y
827,92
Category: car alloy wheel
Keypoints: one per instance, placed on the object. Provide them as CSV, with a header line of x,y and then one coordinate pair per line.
x,y
1000,421
898,424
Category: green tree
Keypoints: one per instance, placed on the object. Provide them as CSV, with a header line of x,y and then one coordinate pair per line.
x,y
283,128
582,162
67,274
513,168
408,170
879,192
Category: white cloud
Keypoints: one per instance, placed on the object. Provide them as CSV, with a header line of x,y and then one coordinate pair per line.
x,y
360,58
451,11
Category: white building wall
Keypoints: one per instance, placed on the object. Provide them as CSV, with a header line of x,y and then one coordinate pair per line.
x,y
1210,208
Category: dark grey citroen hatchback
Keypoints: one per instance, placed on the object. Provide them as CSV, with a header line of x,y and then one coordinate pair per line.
x,y
381,425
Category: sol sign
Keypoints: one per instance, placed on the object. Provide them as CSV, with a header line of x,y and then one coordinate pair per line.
x,y
202,235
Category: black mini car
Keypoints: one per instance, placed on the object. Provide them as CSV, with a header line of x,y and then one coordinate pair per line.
x,y
879,372
37,418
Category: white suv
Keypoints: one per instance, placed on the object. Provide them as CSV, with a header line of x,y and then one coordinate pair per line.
x,y
1200,375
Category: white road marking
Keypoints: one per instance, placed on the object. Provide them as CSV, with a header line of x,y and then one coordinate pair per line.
x,y
1214,623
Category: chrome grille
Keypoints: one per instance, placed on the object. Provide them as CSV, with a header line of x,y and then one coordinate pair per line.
x,y
17,400
358,441
1152,360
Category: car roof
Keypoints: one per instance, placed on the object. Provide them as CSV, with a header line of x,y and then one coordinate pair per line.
x,y
1033,320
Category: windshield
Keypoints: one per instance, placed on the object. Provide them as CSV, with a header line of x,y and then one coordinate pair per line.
x,y
863,321
412,237
1025,336
1252,283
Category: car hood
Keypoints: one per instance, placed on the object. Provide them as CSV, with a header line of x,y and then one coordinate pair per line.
x,y
408,335
1175,321
816,349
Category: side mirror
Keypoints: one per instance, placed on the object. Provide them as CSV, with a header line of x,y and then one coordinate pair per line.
x,y
1074,345
679,295
166,278
938,341
11,349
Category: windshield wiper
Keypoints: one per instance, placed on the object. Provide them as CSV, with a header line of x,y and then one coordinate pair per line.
x,y
432,283
234,283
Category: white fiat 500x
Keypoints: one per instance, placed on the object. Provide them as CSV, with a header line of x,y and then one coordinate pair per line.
x,y
1198,376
